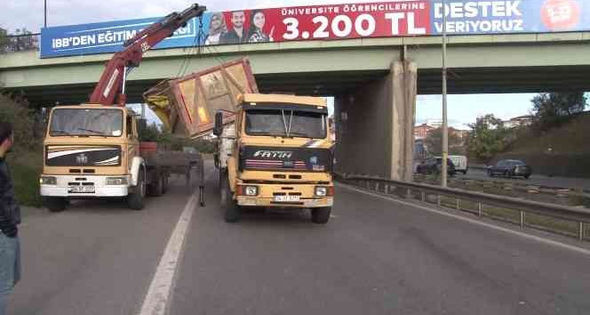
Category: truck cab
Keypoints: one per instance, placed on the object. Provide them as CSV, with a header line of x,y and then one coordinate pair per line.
x,y
277,153
91,151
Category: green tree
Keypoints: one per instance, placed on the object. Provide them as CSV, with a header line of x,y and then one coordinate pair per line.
x,y
22,119
150,132
434,142
23,39
174,142
4,41
551,109
487,138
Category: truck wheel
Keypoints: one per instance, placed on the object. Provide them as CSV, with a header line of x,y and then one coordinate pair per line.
x,y
156,189
135,200
320,215
232,210
55,204
164,183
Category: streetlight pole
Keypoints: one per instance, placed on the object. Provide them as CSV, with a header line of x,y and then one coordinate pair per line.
x,y
45,13
445,137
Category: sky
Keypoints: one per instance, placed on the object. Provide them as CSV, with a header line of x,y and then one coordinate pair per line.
x,y
463,109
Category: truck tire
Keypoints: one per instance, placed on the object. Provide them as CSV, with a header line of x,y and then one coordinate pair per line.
x,y
231,209
157,189
135,200
164,183
55,204
320,215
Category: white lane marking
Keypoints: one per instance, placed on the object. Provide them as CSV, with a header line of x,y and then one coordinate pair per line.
x,y
156,299
474,221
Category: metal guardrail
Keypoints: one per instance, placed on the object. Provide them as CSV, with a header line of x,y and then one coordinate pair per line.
x,y
579,215
529,191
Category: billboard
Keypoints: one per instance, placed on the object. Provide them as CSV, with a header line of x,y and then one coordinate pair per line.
x,y
329,22
510,16
106,37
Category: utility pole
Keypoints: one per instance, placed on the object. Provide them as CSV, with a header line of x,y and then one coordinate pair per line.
x,y
45,13
445,136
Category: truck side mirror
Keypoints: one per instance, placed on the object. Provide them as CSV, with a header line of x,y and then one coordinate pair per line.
x,y
218,129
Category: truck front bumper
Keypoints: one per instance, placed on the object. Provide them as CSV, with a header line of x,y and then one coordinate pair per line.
x,y
64,183
303,196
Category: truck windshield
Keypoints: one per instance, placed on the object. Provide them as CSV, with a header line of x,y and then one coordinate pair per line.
x,y
87,122
286,123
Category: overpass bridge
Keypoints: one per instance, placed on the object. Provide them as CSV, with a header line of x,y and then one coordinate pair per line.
x,y
480,63
372,109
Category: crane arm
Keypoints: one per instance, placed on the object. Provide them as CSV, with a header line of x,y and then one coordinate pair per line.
x,y
113,77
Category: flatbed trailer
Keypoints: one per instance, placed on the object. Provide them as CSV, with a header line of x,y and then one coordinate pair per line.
x,y
161,164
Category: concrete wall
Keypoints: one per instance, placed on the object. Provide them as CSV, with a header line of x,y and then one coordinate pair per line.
x,y
374,125
363,129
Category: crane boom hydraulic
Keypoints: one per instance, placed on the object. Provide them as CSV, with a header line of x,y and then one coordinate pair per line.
x,y
112,80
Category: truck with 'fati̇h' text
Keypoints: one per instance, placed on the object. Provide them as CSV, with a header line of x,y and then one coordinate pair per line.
x,y
273,150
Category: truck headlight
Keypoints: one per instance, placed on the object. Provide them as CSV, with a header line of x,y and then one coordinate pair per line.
x,y
48,180
321,191
251,190
116,181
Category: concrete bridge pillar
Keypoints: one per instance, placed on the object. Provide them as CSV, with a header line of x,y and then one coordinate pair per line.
x,y
375,125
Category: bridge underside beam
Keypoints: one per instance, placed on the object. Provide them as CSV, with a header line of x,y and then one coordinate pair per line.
x,y
461,81
506,80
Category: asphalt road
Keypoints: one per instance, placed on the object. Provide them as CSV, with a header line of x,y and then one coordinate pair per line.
x,y
535,179
373,257
97,257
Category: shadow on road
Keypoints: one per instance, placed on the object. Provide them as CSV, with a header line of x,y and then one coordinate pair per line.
x,y
285,217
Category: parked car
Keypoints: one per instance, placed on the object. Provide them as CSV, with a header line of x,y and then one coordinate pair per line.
x,y
510,168
460,162
434,166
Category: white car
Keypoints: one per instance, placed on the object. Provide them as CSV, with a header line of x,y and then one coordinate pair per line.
x,y
460,162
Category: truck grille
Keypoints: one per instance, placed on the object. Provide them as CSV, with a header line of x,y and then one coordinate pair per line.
x,y
273,165
285,159
80,155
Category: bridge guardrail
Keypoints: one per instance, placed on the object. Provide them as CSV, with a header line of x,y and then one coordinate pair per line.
x,y
19,42
581,216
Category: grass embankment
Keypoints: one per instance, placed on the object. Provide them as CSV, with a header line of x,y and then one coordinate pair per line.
x,y
25,167
536,221
25,160
560,151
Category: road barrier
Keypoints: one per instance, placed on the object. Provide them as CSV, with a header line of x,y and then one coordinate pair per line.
x,y
542,193
528,213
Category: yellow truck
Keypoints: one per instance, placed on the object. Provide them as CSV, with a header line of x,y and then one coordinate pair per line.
x,y
273,150
93,150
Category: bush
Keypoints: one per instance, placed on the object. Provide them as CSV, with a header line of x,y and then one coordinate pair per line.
x,y
25,168
22,119
174,142
553,109
25,160
150,133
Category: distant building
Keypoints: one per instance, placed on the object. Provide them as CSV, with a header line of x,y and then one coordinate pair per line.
x,y
332,126
461,134
436,123
422,131
518,121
